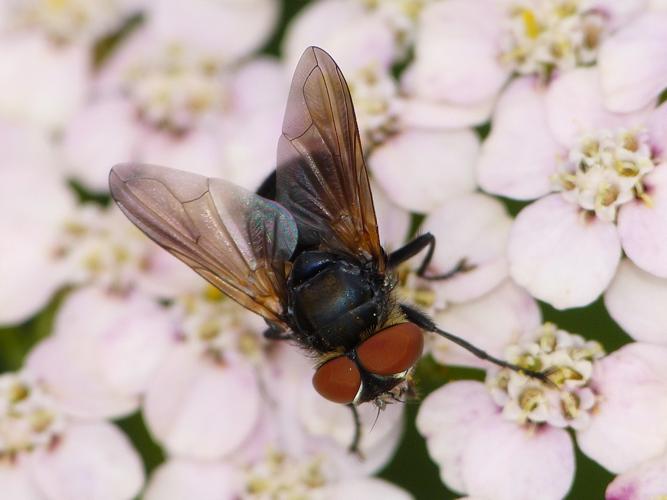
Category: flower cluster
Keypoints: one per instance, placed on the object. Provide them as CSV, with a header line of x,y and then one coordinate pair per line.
x,y
528,136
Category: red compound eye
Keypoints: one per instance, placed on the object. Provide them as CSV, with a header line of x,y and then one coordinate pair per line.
x,y
338,380
392,350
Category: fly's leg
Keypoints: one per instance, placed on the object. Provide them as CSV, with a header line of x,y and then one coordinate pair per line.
x,y
274,332
354,446
425,323
417,245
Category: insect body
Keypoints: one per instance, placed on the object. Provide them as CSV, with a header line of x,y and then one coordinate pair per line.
x,y
304,252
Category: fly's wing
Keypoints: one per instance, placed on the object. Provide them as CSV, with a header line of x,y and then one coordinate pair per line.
x,y
321,174
236,240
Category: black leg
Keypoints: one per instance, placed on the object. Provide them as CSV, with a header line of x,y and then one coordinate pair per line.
x,y
275,333
425,323
417,245
354,447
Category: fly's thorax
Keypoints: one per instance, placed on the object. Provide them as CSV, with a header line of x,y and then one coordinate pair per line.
x,y
335,300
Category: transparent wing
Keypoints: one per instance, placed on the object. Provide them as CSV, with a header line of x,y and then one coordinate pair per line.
x,y
236,240
321,175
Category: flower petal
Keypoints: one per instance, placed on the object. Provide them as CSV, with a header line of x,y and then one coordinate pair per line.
x,y
648,480
16,483
505,461
393,221
199,408
234,28
575,106
92,460
179,479
127,336
451,36
447,419
520,153
560,255
422,113
354,37
362,489
101,133
28,264
636,300
73,380
420,170
198,151
633,63
643,228
472,228
632,384
491,323
40,81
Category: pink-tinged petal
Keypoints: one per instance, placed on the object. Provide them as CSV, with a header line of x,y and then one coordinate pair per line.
x,y
575,106
457,51
91,461
73,380
422,113
447,419
636,300
179,479
491,323
629,425
166,276
420,170
199,408
393,221
643,228
28,266
258,85
657,128
16,483
646,481
620,13
233,29
103,133
248,147
633,63
199,150
473,228
363,489
40,81
560,254
126,335
344,28
505,461
330,426
520,153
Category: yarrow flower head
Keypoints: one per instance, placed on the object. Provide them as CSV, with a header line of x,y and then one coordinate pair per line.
x,y
177,86
599,177
44,451
546,35
218,326
67,20
568,361
605,169
279,475
29,417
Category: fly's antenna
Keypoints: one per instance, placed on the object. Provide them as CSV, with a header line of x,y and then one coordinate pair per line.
x,y
425,323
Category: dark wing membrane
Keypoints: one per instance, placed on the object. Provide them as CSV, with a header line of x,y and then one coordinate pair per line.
x,y
321,175
236,240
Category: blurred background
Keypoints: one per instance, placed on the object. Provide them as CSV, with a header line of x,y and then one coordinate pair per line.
x,y
199,86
